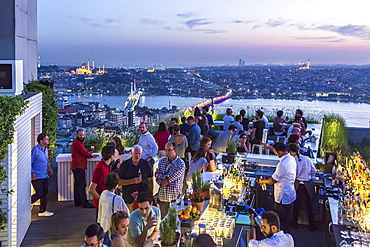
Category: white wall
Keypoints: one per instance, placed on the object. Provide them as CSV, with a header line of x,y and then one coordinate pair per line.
x,y
18,165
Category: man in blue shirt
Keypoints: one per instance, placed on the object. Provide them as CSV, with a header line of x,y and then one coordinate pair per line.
x,y
193,136
148,143
39,173
144,221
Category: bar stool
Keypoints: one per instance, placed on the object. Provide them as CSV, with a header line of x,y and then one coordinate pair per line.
x,y
260,146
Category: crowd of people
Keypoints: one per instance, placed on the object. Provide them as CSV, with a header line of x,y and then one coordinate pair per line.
x,y
127,212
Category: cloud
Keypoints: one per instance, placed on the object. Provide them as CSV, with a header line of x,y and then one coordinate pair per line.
x,y
242,22
277,23
97,23
197,22
360,31
146,21
316,38
208,31
185,15
333,39
174,28
110,20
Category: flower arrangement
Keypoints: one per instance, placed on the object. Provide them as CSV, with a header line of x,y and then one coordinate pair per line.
x,y
197,196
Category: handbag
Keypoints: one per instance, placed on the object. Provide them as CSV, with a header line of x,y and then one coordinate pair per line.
x,y
113,204
211,166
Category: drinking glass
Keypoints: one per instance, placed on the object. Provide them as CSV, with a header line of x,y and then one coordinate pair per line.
x,y
219,241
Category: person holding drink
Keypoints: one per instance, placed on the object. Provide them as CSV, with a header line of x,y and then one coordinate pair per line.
x,y
283,180
79,167
144,221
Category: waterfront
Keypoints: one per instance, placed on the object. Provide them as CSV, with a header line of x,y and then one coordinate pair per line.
x,y
355,114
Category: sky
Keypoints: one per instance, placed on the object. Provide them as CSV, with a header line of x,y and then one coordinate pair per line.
x,y
203,32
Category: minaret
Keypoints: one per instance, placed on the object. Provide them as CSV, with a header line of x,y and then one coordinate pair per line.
x,y
93,64
88,64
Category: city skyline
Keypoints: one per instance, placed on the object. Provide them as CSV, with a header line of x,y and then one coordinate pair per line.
x,y
194,33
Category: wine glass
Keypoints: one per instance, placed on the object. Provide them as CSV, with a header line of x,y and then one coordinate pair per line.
x,y
92,148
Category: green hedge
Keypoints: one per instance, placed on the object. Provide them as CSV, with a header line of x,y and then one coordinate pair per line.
x,y
334,136
10,108
49,110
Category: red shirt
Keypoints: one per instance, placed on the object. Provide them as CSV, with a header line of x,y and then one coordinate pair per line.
x,y
100,172
79,155
161,137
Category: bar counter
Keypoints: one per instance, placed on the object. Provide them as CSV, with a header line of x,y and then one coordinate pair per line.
x,y
65,175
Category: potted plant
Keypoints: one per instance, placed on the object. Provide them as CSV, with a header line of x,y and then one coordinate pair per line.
x,y
197,195
168,227
205,189
232,147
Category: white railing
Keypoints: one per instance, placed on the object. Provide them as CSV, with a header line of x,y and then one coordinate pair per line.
x,y
65,175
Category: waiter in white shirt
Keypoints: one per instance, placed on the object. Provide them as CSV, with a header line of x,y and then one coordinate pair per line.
x,y
304,186
283,181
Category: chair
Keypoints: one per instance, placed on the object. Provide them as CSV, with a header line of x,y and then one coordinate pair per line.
x,y
260,146
279,137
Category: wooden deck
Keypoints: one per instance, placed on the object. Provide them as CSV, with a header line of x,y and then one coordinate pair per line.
x,y
65,228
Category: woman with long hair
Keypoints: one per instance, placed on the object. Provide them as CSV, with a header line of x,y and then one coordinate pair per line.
x,y
116,236
198,162
211,157
118,143
161,137
244,146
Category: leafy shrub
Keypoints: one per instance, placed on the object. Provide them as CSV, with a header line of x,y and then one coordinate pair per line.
x,y
334,136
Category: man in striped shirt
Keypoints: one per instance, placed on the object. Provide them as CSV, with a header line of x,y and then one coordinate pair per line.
x,y
170,176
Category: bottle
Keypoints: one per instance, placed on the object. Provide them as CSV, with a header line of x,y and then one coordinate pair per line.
x,y
252,212
178,200
139,173
182,242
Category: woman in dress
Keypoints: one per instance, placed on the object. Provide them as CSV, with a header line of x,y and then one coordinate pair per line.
x,y
198,162
206,142
161,137
116,236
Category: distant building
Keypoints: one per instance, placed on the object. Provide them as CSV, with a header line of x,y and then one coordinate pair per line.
x,y
306,66
241,63
117,117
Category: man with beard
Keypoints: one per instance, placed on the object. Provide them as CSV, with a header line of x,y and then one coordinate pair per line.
x,y
270,228
79,167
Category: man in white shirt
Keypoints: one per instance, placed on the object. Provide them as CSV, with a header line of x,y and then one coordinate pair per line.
x,y
147,142
283,180
228,119
270,228
304,186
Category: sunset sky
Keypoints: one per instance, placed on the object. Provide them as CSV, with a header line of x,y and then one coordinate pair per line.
x,y
203,32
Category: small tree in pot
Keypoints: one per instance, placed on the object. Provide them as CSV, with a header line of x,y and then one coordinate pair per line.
x,y
168,228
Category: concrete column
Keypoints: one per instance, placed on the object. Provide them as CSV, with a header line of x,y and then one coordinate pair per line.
x,y
18,34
